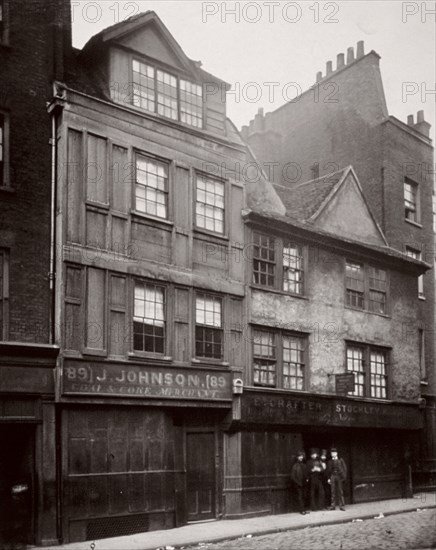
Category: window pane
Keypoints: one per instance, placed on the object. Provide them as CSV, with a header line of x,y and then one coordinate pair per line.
x,y
264,265
167,95
293,268
293,362
149,318
208,329
410,200
378,369
151,190
210,204
191,103
143,86
355,364
354,278
264,362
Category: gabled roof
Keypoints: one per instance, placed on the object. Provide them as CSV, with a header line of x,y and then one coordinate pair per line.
x,y
305,199
120,30
326,202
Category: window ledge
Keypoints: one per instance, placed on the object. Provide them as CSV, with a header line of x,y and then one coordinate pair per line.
x,y
211,234
98,205
7,188
5,45
280,292
210,363
132,355
424,382
421,297
416,224
147,218
384,315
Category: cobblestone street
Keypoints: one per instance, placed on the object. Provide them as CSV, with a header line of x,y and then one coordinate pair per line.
x,y
414,530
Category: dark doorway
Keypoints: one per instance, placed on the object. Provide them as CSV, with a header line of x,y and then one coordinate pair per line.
x,y
17,455
200,464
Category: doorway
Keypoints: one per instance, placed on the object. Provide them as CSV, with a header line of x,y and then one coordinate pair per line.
x,y
201,478
17,456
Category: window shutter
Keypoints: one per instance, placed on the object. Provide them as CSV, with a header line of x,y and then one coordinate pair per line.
x,y
74,183
182,336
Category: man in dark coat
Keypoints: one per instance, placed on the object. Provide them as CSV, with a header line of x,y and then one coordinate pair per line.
x,y
337,474
315,471
299,479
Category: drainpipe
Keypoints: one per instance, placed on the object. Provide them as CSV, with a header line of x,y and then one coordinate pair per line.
x,y
52,271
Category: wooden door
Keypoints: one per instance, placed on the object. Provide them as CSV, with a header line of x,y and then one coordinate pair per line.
x,y
200,466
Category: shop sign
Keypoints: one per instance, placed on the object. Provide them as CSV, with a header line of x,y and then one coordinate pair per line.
x,y
148,381
325,411
344,383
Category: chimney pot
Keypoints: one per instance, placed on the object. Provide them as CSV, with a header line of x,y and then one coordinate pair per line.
x,y
350,55
410,121
318,76
340,60
360,49
420,117
329,66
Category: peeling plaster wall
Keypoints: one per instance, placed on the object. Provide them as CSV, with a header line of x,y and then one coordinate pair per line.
x,y
323,315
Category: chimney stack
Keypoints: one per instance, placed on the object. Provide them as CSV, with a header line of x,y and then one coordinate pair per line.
x,y
259,122
319,76
360,49
340,61
422,126
410,120
329,67
350,55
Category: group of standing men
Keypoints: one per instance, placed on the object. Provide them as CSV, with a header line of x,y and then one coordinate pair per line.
x,y
319,482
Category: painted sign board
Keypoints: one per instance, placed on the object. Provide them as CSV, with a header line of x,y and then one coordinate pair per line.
x,y
280,408
92,378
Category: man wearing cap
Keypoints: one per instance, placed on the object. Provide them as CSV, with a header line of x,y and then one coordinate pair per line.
x,y
299,478
337,474
315,470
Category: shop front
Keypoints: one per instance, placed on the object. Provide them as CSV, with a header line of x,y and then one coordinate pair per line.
x,y
142,447
28,449
375,439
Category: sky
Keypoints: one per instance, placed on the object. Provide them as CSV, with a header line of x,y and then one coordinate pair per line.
x,y
270,51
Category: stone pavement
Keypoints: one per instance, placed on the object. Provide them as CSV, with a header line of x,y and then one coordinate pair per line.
x,y
222,530
410,530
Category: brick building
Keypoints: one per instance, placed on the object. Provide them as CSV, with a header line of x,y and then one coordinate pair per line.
x,y
343,119
31,56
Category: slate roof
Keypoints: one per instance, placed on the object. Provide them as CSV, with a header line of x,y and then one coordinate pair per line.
x,y
305,199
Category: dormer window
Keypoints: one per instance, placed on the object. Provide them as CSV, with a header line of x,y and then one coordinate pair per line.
x,y
155,90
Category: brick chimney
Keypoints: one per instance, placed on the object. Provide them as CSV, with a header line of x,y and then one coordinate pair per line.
x,y
422,126
350,55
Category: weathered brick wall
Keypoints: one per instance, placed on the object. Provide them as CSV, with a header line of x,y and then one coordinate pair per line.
x,y
26,74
